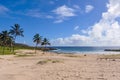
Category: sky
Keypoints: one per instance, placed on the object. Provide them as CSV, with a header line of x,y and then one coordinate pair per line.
x,y
64,22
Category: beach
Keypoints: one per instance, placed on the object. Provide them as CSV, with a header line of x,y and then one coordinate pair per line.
x,y
26,65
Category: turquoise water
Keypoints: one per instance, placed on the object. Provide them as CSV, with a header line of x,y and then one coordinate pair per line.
x,y
84,49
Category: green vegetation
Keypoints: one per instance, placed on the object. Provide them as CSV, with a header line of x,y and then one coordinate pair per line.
x,y
23,55
72,55
49,61
56,61
5,41
113,56
37,39
45,42
8,37
16,31
43,62
6,51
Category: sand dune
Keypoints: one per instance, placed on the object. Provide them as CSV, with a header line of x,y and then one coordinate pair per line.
x,y
51,66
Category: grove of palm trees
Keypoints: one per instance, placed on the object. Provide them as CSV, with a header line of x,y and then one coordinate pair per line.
x,y
8,40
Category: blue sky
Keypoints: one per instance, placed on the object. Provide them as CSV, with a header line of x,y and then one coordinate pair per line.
x,y
64,22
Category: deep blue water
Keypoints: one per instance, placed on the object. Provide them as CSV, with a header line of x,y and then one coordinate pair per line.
x,y
83,49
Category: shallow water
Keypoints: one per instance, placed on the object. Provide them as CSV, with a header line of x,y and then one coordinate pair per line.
x,y
83,50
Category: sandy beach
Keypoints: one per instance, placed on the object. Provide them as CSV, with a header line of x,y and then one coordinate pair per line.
x,y
26,65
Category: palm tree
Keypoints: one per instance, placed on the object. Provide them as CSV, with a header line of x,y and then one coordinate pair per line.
x,y
45,42
10,42
37,39
4,36
0,39
16,31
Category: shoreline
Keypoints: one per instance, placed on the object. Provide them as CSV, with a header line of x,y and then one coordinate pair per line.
x,y
89,52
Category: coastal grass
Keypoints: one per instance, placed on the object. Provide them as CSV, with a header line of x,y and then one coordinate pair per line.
x,y
23,55
111,56
49,61
72,55
6,51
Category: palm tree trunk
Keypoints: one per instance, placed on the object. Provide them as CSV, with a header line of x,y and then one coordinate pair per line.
x,y
35,48
11,47
14,45
44,49
3,50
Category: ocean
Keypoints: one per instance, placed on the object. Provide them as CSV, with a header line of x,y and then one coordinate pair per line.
x,y
66,49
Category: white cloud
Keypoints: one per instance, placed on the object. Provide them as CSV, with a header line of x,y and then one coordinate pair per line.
x,y
75,39
88,8
36,13
3,9
58,21
84,31
104,33
49,17
76,28
107,29
63,12
113,10
33,13
76,6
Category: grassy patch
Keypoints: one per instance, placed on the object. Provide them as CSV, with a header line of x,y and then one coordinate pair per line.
x,y
113,56
42,62
72,55
56,61
6,51
49,61
23,55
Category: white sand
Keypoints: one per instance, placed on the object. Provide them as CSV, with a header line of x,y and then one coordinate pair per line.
x,y
67,68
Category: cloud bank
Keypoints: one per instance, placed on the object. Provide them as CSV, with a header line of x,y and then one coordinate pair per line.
x,y
104,33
